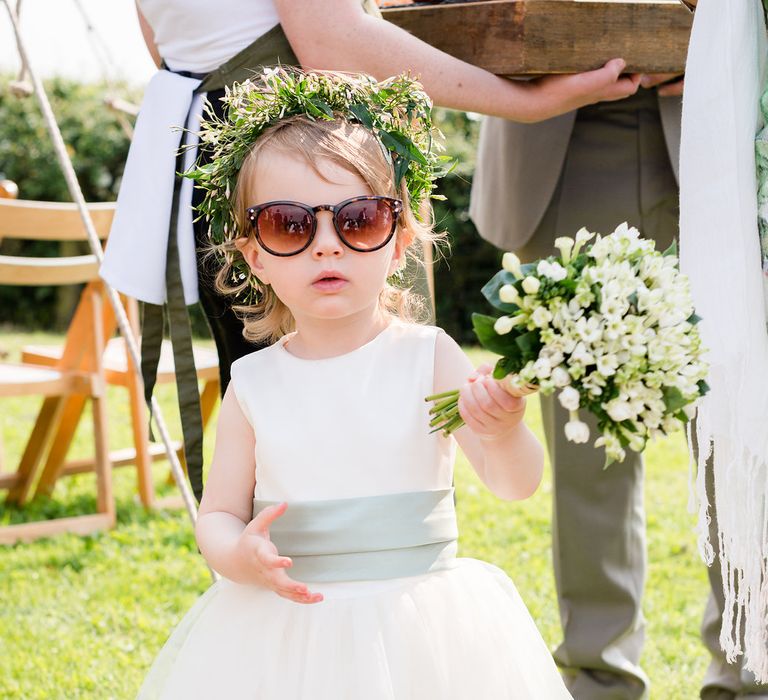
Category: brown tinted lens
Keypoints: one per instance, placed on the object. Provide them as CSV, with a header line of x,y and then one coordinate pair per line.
x,y
284,228
365,224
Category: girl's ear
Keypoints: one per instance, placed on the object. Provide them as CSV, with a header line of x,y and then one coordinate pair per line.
x,y
250,252
403,239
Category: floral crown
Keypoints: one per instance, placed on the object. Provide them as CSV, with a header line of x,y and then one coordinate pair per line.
x,y
397,111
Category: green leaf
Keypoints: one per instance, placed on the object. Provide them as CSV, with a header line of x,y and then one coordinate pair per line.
x,y
703,388
672,250
529,343
501,344
491,291
401,168
673,399
693,319
507,365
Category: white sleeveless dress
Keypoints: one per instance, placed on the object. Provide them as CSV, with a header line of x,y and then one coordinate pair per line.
x,y
353,429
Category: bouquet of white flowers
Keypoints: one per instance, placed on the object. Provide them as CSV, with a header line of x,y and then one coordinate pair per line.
x,y
609,326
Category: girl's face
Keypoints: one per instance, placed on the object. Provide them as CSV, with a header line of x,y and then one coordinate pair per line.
x,y
328,280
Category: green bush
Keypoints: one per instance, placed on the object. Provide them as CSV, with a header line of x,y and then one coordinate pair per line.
x,y
98,147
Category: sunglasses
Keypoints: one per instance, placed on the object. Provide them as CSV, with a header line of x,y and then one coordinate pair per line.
x,y
363,224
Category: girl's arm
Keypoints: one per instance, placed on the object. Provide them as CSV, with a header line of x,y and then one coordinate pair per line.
x,y
149,36
339,35
235,545
504,452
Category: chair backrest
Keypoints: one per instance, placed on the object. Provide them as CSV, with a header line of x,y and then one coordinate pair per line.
x,y
50,221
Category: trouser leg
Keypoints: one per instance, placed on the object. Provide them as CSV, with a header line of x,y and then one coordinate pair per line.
x,y
617,169
598,538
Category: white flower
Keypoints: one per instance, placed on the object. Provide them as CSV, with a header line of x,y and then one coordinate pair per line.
x,y
504,324
542,368
555,271
560,377
541,317
613,448
509,294
565,246
582,235
618,410
607,365
531,285
569,398
636,442
576,430
511,263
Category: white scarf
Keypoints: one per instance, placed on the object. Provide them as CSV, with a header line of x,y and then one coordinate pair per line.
x,y
720,251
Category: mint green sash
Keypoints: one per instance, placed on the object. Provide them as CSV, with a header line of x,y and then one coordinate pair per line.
x,y
368,538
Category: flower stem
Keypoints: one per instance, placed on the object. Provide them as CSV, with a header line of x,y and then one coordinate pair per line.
x,y
444,395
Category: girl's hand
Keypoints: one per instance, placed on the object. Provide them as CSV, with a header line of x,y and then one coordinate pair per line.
x,y
256,553
556,94
489,409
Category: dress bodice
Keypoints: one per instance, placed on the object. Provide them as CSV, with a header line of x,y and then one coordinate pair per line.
x,y
347,426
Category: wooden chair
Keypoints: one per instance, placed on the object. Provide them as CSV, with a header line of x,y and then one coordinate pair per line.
x,y
118,371
77,377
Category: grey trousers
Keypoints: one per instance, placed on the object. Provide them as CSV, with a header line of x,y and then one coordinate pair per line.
x,y
617,169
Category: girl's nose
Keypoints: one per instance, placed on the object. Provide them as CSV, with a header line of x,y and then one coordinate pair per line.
x,y
326,242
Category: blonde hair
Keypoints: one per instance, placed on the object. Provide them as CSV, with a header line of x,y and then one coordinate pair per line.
x,y
352,147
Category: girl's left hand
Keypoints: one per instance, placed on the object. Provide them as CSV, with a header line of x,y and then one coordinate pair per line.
x,y
488,409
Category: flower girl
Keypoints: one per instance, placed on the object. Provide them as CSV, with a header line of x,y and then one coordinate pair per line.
x,y
329,510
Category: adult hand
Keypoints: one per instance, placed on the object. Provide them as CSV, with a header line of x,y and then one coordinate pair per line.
x,y
489,409
556,94
256,552
666,84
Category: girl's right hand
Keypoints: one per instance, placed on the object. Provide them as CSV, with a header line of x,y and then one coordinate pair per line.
x,y
556,94
256,553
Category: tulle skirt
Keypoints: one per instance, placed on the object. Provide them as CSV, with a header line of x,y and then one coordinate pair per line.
x,y
459,634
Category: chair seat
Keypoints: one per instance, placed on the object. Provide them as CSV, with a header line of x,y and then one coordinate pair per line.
x,y
116,361
26,380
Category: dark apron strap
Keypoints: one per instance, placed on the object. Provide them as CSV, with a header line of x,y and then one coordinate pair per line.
x,y
269,49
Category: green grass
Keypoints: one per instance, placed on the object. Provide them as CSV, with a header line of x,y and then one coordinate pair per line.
x,y
83,617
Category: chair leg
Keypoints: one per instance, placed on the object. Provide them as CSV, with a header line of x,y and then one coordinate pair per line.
x,y
33,452
208,398
139,424
70,419
105,498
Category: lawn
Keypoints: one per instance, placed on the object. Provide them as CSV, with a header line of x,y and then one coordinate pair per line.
x,y
82,617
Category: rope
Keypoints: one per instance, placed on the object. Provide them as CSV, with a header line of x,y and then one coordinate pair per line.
x,y
95,245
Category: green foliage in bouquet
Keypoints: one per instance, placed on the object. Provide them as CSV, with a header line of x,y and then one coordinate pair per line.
x,y
609,326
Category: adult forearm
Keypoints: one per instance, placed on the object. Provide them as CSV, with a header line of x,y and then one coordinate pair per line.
x,y
512,464
370,45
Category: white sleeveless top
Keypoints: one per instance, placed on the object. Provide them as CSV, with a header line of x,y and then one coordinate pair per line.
x,y
347,426
200,35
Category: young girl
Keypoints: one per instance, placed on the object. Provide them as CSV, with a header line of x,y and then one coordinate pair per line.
x,y
340,578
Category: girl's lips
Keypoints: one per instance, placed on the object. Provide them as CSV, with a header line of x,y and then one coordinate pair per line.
x,y
329,283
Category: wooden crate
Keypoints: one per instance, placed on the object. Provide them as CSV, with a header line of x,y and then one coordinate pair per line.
x,y
529,37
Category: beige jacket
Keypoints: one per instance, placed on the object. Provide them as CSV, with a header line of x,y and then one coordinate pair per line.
x,y
518,166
